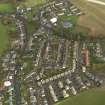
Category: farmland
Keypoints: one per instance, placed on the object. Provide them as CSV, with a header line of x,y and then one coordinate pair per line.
x,y
94,18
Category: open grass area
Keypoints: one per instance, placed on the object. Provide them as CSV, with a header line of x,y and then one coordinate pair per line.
x,y
3,38
31,3
90,97
72,19
94,18
6,7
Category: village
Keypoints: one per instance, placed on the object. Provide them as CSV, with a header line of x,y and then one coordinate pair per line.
x,y
44,68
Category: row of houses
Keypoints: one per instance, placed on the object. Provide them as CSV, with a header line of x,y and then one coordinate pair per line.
x,y
22,33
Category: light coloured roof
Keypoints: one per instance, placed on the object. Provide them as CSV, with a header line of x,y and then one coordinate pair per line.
x,y
53,20
7,83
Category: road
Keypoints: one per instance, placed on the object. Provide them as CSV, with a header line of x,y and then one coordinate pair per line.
x,y
97,2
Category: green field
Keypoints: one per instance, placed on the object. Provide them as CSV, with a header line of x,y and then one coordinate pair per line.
x,y
72,19
31,3
6,7
3,38
90,97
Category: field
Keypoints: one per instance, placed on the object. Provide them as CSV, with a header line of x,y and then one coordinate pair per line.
x,y
90,97
3,38
6,7
72,19
31,3
94,18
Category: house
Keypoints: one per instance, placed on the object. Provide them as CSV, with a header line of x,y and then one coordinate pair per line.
x,y
85,53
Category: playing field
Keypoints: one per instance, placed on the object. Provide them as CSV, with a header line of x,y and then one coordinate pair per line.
x,y
94,18
3,38
90,97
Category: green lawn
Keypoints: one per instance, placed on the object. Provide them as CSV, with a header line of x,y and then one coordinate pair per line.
x,y
6,7
72,19
31,3
90,97
3,38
